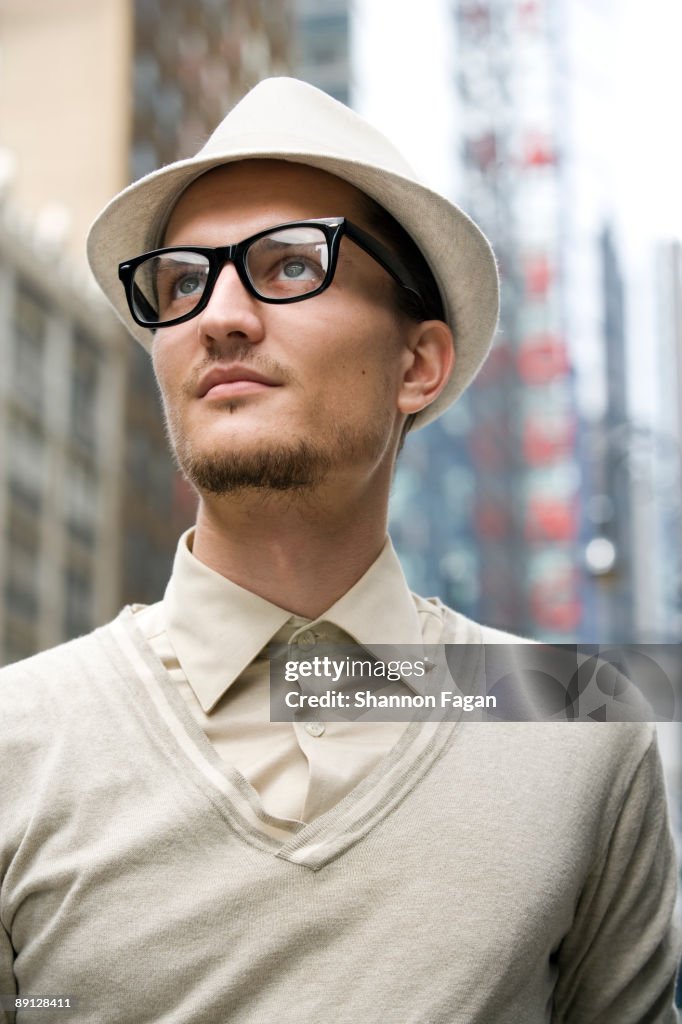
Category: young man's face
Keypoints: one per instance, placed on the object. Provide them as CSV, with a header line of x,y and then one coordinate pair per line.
x,y
327,370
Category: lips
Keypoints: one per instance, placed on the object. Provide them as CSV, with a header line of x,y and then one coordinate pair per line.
x,y
238,376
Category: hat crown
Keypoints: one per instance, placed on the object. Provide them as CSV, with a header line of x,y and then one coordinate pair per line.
x,y
293,116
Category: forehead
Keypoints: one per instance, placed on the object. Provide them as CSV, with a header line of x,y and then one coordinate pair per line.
x,y
257,193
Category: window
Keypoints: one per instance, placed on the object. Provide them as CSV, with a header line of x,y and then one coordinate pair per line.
x,y
84,391
23,553
30,320
25,453
81,498
78,601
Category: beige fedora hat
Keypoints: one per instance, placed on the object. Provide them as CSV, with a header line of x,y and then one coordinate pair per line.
x,y
285,119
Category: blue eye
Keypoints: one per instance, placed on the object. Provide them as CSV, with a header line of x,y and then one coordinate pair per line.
x,y
297,269
189,284
294,269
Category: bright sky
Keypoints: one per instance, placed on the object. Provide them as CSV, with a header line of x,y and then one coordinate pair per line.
x,y
403,55
648,117
402,73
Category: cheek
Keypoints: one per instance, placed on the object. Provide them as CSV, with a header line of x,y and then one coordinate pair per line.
x,y
358,340
357,386
164,361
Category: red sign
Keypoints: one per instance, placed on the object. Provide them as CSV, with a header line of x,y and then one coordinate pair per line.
x,y
551,519
541,358
538,274
546,442
555,603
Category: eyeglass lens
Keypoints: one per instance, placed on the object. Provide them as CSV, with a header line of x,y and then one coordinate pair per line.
x,y
284,264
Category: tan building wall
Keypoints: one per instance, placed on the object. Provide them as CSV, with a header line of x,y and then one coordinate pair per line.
x,y
65,106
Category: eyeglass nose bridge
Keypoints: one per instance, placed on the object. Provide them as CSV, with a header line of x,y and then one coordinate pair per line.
x,y
220,257
226,254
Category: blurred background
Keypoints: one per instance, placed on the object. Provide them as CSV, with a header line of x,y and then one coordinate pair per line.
x,y
547,500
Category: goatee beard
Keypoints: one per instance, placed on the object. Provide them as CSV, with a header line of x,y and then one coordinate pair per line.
x,y
298,467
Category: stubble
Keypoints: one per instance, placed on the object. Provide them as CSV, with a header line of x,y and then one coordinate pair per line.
x,y
300,465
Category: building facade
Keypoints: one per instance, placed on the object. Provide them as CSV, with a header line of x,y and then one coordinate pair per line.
x,y
134,84
491,512
62,397
500,506
191,62
321,41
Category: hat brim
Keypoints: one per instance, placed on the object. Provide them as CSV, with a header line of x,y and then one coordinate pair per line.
x,y
457,252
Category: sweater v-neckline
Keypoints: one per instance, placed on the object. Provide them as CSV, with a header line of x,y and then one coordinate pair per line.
x,y
314,844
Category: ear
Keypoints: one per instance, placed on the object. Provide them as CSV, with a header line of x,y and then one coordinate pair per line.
x,y
432,359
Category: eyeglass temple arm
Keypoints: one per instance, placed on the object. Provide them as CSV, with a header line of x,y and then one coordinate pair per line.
x,y
389,262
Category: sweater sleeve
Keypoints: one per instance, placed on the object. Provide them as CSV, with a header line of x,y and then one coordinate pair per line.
x,y
618,962
7,984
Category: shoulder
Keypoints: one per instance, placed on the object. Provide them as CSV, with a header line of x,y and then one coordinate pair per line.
x,y
458,629
47,694
55,667
66,714
552,695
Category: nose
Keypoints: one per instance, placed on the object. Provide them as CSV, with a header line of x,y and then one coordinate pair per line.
x,y
231,314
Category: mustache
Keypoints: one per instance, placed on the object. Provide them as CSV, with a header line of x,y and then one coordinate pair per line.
x,y
266,365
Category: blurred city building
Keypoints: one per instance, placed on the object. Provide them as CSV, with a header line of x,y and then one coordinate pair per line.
x,y
192,61
321,45
133,84
490,500
62,400
608,521
668,276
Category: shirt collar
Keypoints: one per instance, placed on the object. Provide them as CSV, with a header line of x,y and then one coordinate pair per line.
x,y
217,628
379,609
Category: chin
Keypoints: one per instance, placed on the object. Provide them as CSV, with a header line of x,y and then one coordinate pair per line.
x,y
231,467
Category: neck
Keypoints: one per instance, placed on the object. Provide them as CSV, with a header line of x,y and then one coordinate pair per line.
x,y
299,550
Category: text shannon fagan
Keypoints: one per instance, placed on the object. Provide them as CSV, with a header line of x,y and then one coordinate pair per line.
x,y
366,699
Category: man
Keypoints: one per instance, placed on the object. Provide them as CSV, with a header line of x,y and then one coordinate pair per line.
x,y
168,853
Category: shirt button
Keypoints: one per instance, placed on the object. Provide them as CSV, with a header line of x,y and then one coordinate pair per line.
x,y
306,640
314,728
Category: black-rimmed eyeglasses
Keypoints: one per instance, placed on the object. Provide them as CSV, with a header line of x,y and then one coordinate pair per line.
x,y
286,263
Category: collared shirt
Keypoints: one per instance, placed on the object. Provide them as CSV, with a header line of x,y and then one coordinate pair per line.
x,y
211,635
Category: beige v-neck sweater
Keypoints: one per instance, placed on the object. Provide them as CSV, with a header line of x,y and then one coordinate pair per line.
x,y
481,874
